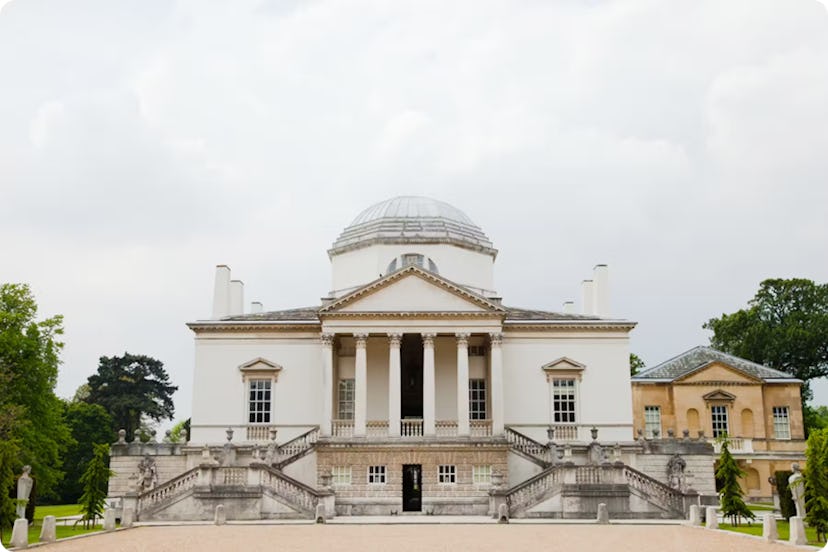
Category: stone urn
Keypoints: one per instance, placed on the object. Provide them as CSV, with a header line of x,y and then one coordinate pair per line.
x,y
497,480
550,433
229,433
594,432
326,478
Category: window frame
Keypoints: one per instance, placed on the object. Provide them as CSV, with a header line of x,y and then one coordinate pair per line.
x,y
650,424
342,476
482,474
559,401
478,405
263,404
377,475
719,416
349,382
447,474
777,424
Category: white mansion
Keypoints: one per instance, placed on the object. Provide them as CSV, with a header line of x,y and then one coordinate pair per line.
x,y
411,387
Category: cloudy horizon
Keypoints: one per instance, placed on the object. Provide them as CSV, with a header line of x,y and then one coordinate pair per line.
x,y
143,143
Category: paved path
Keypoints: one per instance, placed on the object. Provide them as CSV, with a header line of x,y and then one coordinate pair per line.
x,y
419,538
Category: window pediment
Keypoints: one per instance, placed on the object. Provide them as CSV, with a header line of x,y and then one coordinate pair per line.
x,y
563,367
261,368
719,396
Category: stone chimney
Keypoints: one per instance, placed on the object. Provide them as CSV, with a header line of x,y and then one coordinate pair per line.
x,y
587,297
601,291
221,292
255,307
236,297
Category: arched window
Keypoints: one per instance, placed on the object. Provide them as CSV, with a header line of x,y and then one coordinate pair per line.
x,y
408,259
747,423
693,421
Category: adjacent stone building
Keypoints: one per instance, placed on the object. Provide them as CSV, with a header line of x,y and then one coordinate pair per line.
x,y
706,391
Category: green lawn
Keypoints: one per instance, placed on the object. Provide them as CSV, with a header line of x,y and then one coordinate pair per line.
x,y
761,507
781,526
63,531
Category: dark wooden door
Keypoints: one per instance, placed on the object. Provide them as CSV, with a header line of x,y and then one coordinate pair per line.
x,y
412,487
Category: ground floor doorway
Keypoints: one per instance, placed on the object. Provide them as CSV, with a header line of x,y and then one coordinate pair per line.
x,y
412,487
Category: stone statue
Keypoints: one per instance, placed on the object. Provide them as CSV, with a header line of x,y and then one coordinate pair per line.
x,y
675,472
147,474
24,490
796,483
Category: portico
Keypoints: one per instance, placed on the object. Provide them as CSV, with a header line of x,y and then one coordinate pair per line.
x,y
405,400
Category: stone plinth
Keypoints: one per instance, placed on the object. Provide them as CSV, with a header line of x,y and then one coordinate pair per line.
x,y
603,513
769,531
711,518
695,515
127,517
109,519
797,535
221,517
20,534
48,532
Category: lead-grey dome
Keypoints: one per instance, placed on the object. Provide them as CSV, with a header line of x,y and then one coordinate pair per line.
x,y
412,219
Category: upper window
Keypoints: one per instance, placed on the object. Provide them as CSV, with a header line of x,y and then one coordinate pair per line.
x,y
781,422
563,400
346,399
477,399
718,414
259,401
652,420
408,259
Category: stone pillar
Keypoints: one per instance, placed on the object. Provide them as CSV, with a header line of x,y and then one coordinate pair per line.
x,y
711,518
20,533
394,366
463,384
797,534
48,533
769,531
496,382
109,519
429,387
361,384
603,514
695,515
327,384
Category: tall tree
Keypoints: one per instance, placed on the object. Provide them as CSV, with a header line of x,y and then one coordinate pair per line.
x,y
816,482
90,425
730,493
785,326
8,455
30,412
636,364
132,388
94,480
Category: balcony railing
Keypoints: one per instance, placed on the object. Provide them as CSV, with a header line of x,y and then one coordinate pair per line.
x,y
342,428
258,433
735,444
411,427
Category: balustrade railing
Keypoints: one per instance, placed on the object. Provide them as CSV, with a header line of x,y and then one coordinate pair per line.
x,y
258,433
565,432
231,477
411,427
168,490
445,428
530,491
527,445
296,493
342,428
298,445
589,475
735,444
659,493
376,428
480,428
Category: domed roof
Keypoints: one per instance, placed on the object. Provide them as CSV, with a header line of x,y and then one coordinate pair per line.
x,y
412,219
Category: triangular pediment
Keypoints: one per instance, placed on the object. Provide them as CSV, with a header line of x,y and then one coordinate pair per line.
x,y
564,363
720,396
718,372
260,366
412,289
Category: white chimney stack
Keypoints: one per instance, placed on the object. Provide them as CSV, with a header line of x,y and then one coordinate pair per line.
x,y
587,297
255,307
600,288
236,297
221,292
569,307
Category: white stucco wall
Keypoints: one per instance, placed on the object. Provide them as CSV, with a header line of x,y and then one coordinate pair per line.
x,y
361,266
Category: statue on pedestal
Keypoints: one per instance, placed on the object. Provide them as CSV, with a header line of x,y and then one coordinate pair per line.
x,y
147,474
675,472
24,490
796,483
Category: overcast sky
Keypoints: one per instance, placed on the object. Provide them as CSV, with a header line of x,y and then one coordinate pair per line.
x,y
685,144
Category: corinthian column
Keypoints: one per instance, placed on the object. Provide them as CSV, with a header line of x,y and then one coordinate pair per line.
x,y
496,377
463,384
327,384
428,385
360,385
394,410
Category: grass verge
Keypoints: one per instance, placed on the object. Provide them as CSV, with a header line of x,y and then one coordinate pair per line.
x,y
63,530
782,527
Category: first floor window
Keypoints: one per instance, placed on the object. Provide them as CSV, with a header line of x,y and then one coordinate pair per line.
x,y
477,399
346,399
447,474
376,475
341,475
563,400
652,420
482,475
258,405
781,422
719,419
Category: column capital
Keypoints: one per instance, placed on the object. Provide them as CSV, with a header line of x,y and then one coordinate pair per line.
x,y
394,339
428,339
360,339
495,339
462,339
327,339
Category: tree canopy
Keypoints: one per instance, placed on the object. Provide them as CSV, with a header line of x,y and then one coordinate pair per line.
x,y
30,412
816,482
90,425
132,388
730,493
785,326
636,364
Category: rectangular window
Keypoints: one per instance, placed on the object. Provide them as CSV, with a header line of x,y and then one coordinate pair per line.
x,y
563,400
346,399
376,475
719,418
477,350
447,474
781,422
477,399
341,475
652,420
258,405
482,475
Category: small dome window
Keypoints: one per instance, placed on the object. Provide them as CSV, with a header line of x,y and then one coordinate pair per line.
x,y
409,259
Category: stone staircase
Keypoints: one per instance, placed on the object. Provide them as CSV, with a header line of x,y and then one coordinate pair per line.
x,y
528,448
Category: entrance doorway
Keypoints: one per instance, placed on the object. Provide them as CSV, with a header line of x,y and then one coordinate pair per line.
x,y
412,487
411,376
